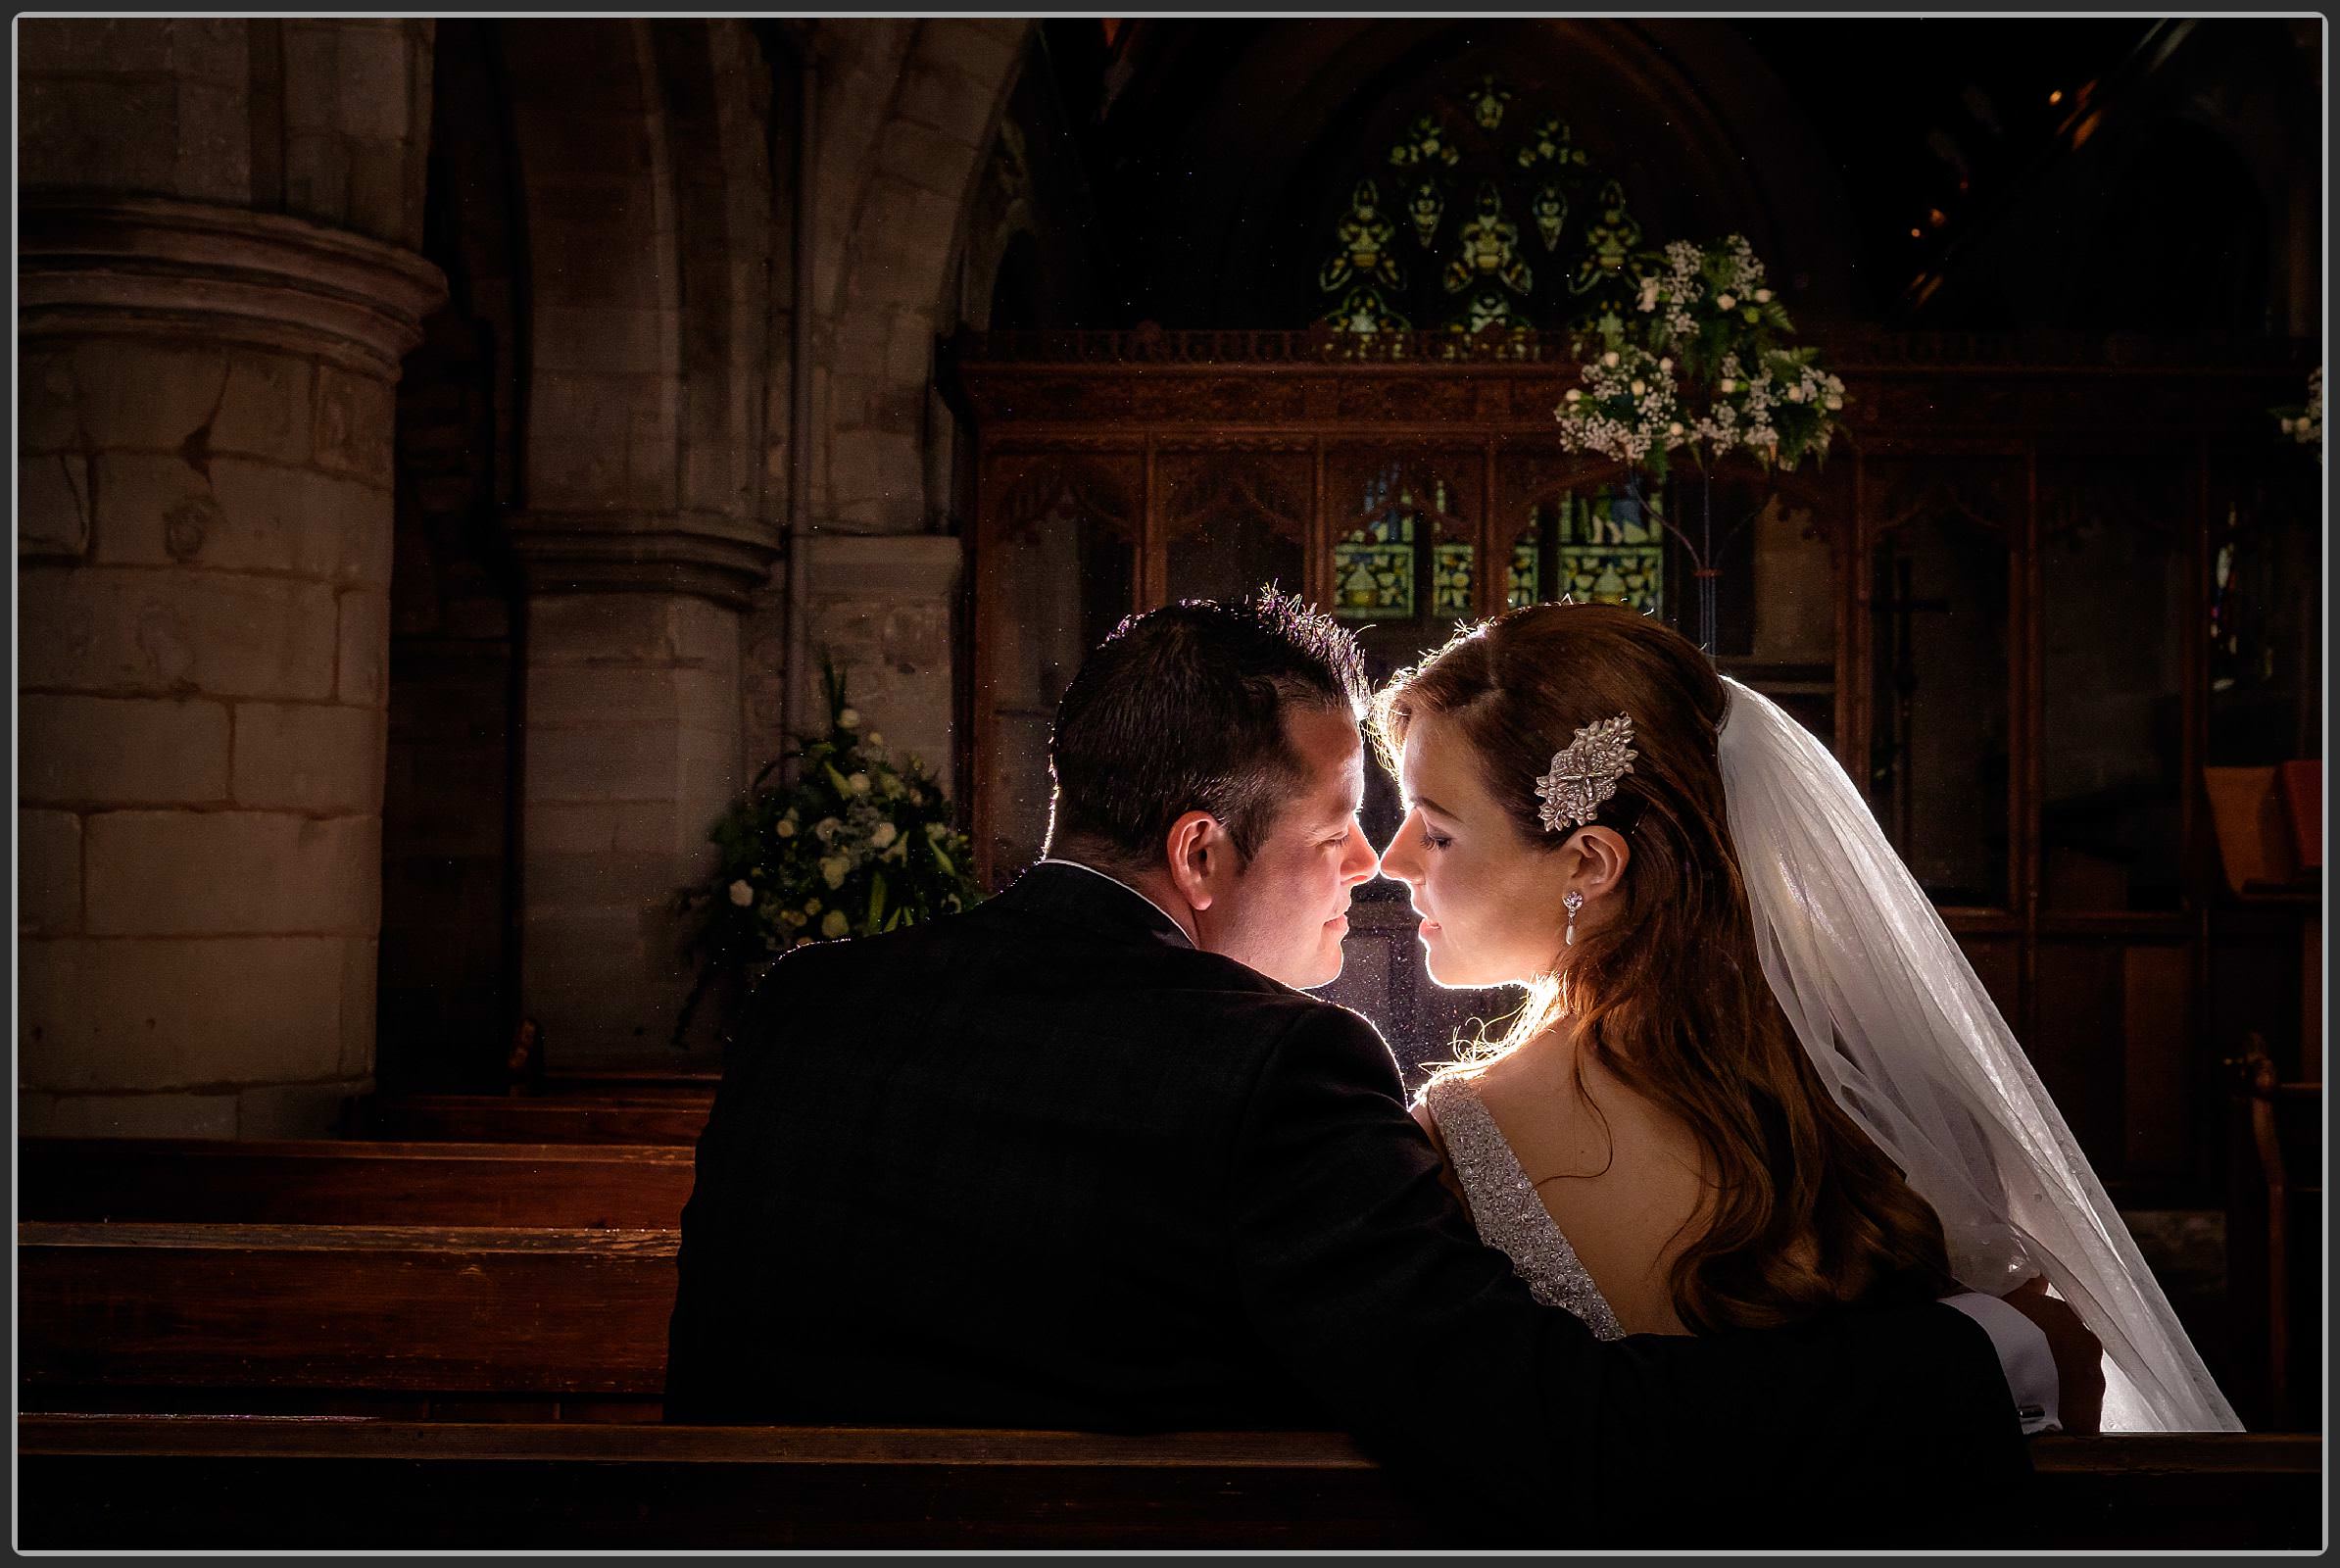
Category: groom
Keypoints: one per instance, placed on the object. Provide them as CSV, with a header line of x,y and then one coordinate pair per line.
x,y
1084,1158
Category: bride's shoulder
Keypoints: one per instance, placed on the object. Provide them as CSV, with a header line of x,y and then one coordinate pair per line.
x,y
1443,1090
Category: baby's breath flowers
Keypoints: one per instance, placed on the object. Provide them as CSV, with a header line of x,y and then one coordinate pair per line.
x,y
1628,407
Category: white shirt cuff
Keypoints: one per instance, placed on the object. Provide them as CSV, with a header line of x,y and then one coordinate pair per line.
x,y
2023,1355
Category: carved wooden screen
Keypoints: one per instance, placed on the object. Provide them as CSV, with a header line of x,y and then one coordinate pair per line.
x,y
1993,601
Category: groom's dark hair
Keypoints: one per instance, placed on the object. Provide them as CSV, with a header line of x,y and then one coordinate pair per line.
x,y
1181,710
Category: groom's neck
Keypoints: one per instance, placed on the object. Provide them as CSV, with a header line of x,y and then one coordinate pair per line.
x,y
1154,883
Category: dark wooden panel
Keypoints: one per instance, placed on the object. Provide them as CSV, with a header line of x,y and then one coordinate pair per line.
x,y
344,1308
266,1483
581,1187
2162,1078
2078,1048
676,1118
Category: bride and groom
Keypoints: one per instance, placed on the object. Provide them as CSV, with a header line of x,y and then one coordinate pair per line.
x,y
1755,1226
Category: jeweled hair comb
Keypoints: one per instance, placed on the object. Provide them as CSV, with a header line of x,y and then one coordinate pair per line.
x,y
1584,772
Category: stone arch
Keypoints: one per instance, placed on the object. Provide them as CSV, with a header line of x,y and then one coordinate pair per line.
x,y
631,163
716,99
906,113
603,311
891,226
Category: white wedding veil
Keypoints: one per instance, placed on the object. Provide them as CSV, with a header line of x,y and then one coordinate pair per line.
x,y
1911,1046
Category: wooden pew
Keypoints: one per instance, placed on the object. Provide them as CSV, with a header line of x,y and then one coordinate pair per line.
x,y
633,1082
534,1324
160,1483
334,1182
2275,1236
670,1118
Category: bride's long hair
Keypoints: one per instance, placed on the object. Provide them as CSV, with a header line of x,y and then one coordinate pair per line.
x,y
1803,1211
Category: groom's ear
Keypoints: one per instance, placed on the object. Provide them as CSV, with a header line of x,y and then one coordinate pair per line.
x,y
1201,857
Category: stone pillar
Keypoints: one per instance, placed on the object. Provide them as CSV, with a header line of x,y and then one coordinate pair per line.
x,y
204,544
632,755
203,528
632,752
882,605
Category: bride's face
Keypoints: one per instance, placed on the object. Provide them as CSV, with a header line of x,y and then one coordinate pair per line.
x,y
1488,899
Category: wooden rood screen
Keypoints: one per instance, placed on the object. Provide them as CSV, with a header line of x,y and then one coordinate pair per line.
x,y
1994,599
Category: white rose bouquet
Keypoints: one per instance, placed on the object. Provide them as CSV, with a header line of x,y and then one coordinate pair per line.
x,y
854,846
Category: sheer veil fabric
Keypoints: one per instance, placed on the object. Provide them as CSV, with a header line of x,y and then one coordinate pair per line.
x,y
1913,1048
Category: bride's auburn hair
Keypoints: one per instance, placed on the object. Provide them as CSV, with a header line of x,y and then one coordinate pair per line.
x,y
1803,1214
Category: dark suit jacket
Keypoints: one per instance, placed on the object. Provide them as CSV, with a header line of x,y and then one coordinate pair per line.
x,y
1046,1165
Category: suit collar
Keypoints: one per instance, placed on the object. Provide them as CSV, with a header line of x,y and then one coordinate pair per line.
x,y
1068,889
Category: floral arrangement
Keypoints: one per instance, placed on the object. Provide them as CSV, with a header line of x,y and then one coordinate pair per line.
x,y
1712,333
1629,408
2306,425
854,846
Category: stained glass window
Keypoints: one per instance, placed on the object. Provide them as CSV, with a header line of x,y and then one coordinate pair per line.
x,y
1380,571
1450,579
1480,215
1601,546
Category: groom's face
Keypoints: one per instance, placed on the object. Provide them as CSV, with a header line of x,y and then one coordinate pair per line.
x,y
1286,915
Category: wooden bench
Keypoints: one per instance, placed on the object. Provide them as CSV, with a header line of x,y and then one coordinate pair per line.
x,y
332,1182
535,1324
670,1118
2275,1235
161,1483
633,1082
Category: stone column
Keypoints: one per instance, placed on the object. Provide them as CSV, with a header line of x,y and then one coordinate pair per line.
x,y
881,606
633,750
204,527
204,541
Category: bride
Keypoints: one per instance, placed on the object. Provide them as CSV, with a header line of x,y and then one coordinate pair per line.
x,y
1754,1078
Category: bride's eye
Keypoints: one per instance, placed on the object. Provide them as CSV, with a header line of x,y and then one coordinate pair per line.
x,y
1434,841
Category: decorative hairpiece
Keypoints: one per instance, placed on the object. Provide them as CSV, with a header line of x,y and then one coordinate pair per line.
x,y
1584,772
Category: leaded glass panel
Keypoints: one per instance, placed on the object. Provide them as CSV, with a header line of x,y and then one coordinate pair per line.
x,y
1600,545
1450,580
1381,569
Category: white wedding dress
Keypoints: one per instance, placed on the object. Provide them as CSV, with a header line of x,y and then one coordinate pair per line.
x,y
1505,1207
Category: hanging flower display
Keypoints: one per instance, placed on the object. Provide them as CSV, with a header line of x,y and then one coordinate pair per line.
x,y
1782,411
1704,366
1629,408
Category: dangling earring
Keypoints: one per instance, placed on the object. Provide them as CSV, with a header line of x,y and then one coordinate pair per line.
x,y
1572,902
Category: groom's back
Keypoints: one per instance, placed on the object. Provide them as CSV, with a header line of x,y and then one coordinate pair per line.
x,y
974,1172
